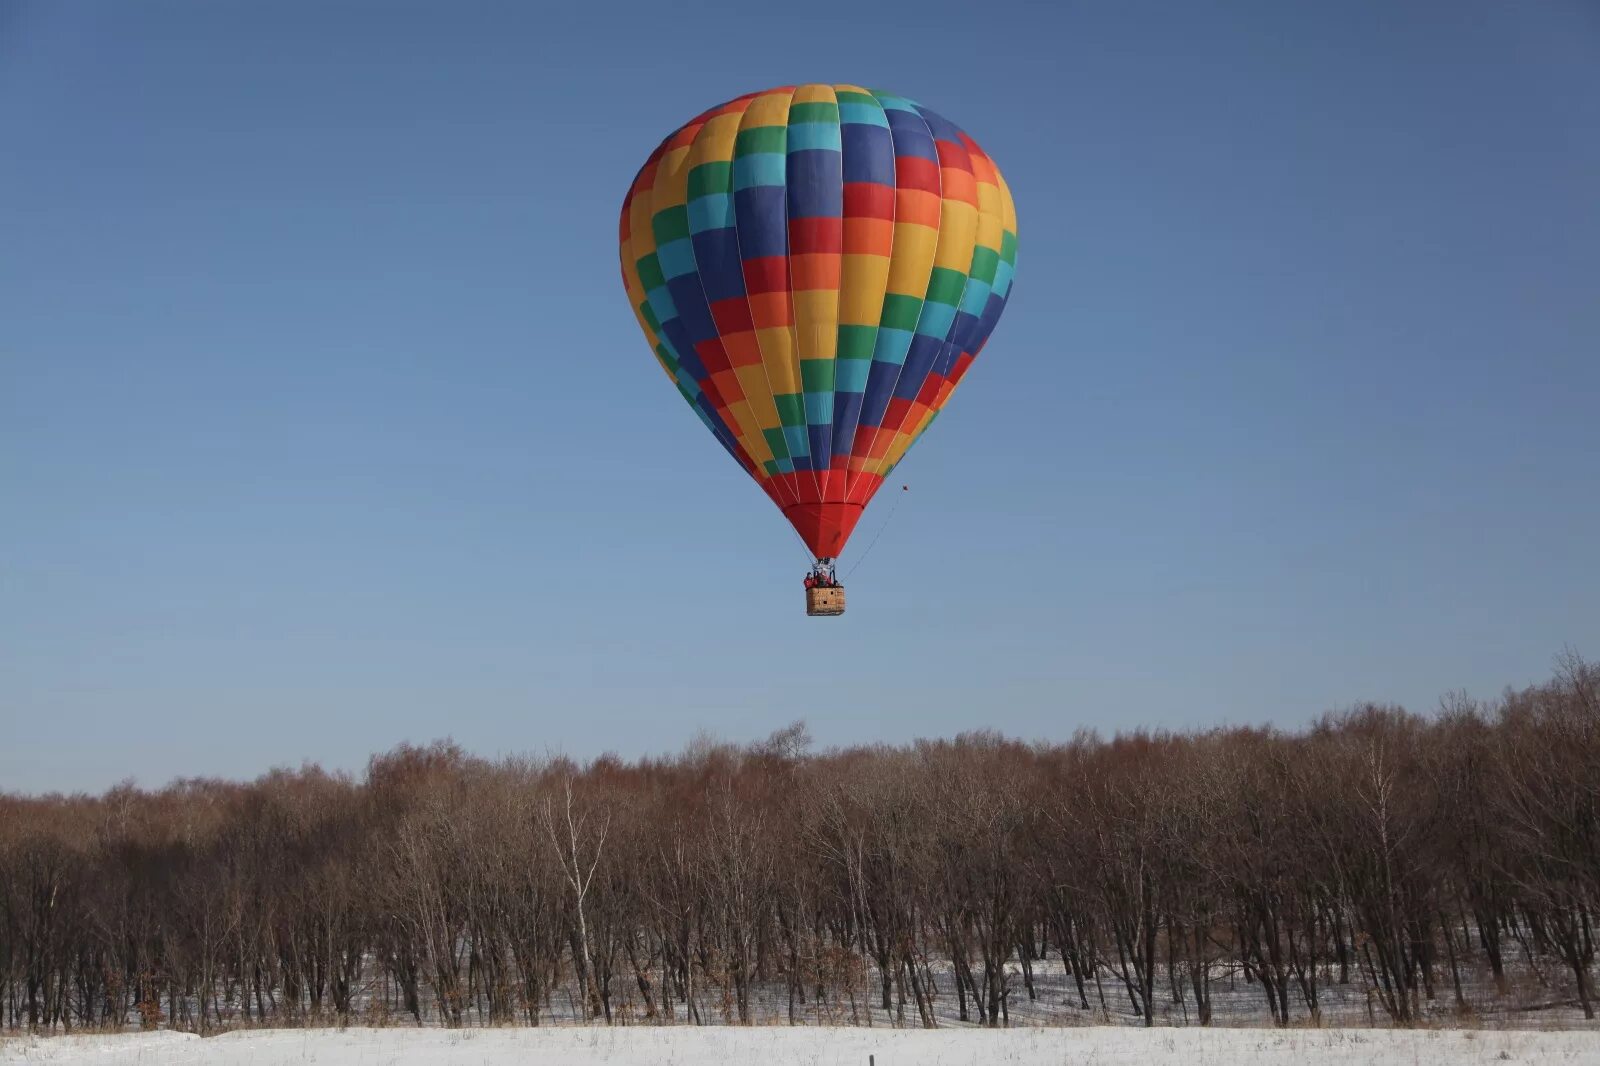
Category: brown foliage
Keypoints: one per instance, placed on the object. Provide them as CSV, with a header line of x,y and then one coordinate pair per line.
x,y
865,885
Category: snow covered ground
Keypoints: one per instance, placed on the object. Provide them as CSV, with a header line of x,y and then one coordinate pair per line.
x,y
1538,998
813,1046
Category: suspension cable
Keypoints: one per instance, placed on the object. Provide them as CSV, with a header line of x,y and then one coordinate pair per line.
x,y
903,490
804,549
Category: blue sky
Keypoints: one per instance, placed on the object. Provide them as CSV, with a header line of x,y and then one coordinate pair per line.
x,y
324,423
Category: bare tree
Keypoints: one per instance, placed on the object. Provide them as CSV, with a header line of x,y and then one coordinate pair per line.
x,y
578,848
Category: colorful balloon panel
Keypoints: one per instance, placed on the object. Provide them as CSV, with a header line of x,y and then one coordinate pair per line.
x,y
816,267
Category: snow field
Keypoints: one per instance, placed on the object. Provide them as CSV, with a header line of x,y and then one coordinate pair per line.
x,y
813,1046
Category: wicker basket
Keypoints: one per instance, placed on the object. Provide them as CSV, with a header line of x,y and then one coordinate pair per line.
x,y
824,602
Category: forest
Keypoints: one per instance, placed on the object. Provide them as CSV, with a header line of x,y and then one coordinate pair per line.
x,y
1428,865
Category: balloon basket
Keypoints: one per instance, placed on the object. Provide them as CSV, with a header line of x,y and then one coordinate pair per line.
x,y
824,603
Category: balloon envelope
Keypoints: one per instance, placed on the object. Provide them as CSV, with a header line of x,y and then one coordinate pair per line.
x,y
816,267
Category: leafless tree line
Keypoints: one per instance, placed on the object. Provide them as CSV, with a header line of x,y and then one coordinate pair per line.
x,y
1379,848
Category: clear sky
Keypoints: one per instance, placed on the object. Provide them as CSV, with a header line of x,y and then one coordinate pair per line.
x,y
324,423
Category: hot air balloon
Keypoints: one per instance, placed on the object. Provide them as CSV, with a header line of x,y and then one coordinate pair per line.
x,y
816,267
